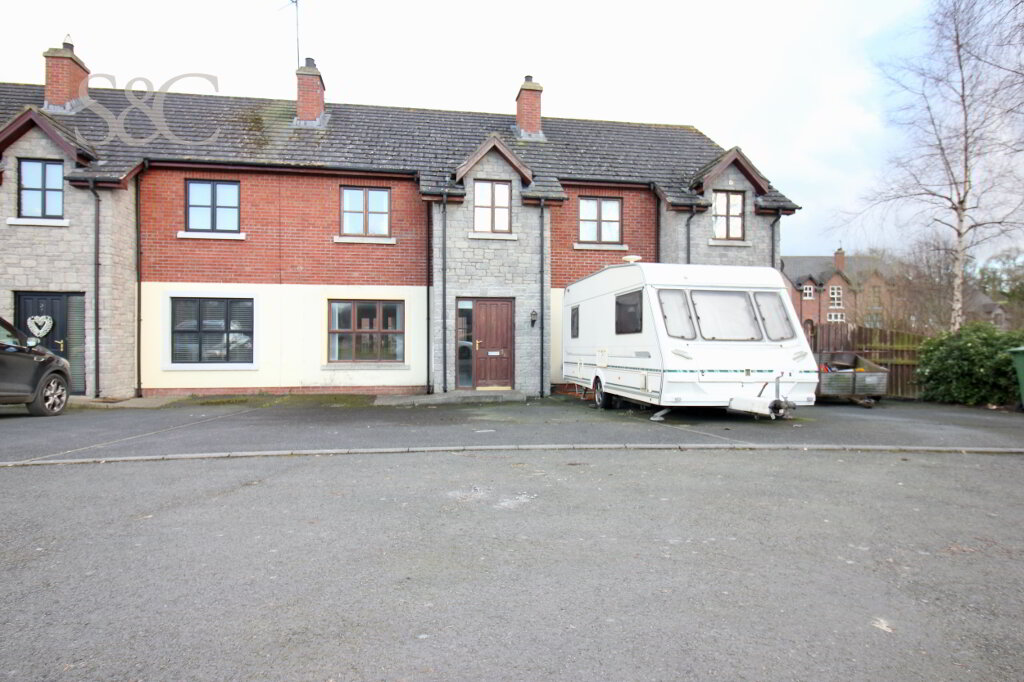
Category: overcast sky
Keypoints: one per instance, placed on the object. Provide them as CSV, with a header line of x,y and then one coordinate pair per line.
x,y
794,83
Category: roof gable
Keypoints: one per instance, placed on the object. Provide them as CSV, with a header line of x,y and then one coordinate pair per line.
x,y
494,142
734,156
32,117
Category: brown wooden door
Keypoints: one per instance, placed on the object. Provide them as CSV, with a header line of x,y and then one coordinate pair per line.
x,y
494,347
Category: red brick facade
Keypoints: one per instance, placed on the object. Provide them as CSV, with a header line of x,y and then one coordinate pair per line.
x,y
64,77
310,103
289,222
639,220
528,107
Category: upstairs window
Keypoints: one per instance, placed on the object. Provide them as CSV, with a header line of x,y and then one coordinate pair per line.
x,y
808,292
365,211
876,297
601,220
728,215
40,189
492,208
835,297
212,206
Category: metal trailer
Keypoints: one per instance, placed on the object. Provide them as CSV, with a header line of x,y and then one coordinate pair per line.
x,y
852,377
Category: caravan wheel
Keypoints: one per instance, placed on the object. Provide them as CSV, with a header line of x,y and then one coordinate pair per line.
x,y
603,400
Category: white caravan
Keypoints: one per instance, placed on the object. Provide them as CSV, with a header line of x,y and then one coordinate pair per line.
x,y
687,335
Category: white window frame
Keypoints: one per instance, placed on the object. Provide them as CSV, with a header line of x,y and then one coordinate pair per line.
x,y
808,292
835,317
835,296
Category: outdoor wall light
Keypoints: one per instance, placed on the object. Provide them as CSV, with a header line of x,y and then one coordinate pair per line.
x,y
533,318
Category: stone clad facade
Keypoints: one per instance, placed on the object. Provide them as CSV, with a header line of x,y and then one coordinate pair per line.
x,y
754,249
58,256
491,265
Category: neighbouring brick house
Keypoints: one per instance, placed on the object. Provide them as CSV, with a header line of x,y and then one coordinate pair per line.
x,y
868,291
252,244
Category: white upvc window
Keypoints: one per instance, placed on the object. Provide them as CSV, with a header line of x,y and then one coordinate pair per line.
x,y
808,292
835,297
835,317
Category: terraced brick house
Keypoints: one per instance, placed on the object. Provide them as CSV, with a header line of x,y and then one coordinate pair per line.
x,y
243,244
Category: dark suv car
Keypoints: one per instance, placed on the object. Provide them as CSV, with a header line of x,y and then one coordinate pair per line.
x,y
31,374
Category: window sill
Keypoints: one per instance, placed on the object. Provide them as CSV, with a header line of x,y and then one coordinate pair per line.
x,y
353,239
347,366
728,242
40,222
493,235
184,234
586,246
210,366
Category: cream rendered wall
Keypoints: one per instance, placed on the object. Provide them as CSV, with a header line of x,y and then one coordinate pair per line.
x,y
555,315
290,338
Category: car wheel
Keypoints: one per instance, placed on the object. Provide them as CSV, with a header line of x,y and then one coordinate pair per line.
x,y
602,399
52,398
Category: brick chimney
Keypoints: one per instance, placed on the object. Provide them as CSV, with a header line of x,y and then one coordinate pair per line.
x,y
65,74
528,110
840,259
309,107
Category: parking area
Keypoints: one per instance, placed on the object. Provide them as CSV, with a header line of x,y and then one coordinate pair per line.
x,y
305,423
756,550
515,565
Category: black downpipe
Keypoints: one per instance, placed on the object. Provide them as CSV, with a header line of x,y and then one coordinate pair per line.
x,y
541,234
775,223
657,225
444,291
96,287
430,283
138,286
693,212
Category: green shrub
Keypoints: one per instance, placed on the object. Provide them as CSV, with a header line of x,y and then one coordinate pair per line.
x,y
970,367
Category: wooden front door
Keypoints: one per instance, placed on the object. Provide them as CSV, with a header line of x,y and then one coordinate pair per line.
x,y
485,340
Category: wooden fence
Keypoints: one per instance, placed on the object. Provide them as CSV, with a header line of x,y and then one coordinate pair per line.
x,y
894,350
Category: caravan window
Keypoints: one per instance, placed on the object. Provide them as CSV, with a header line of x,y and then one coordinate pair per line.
x,y
725,316
678,321
574,322
773,313
629,316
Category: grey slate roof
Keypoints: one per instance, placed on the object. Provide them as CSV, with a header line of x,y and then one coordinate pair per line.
x,y
429,144
799,268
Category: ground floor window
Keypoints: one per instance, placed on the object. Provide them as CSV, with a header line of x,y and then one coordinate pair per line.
x,y
211,330
366,331
835,317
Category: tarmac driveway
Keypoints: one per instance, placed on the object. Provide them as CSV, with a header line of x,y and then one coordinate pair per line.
x,y
305,423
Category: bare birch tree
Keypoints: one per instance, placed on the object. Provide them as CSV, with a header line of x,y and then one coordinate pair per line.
x,y
959,109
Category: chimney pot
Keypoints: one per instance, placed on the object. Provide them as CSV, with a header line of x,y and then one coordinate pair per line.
x,y
310,63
